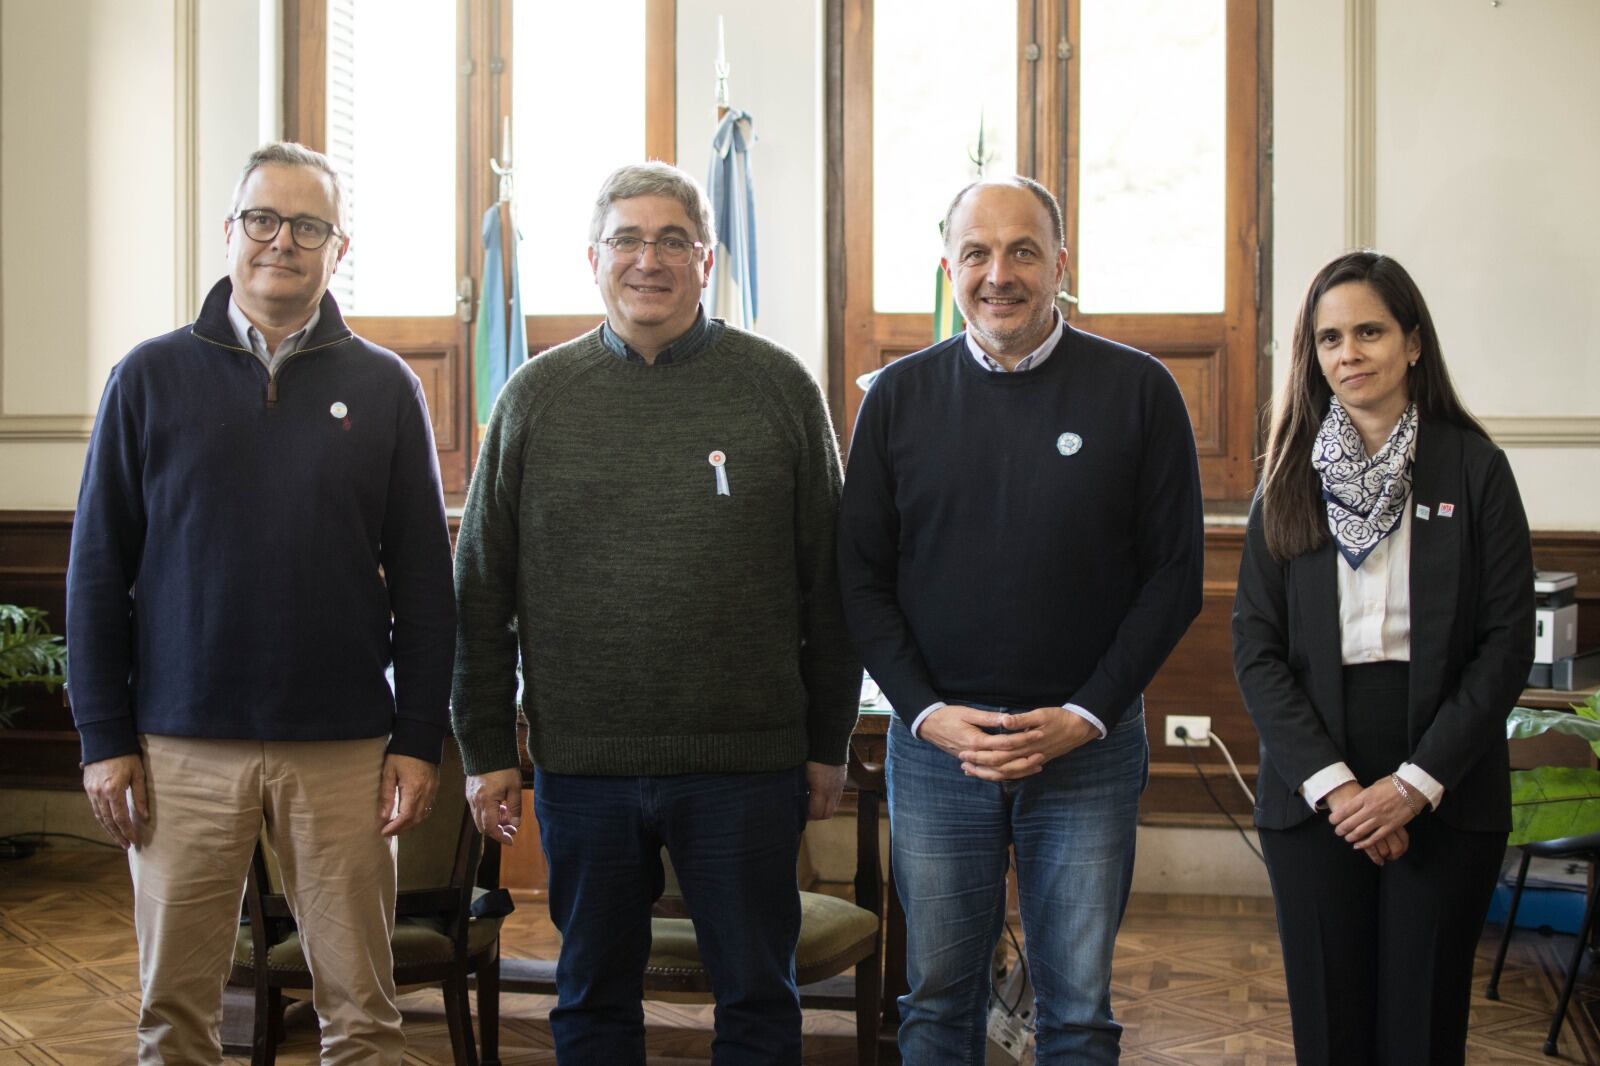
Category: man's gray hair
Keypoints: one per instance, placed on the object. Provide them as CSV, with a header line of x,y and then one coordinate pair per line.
x,y
654,179
290,154
1042,194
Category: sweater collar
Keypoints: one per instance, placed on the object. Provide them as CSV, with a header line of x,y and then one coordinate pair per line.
x,y
697,339
214,325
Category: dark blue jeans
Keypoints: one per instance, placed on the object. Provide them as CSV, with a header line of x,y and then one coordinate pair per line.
x,y
733,840
1073,829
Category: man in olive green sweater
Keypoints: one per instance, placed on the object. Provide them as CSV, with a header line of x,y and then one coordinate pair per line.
x,y
651,524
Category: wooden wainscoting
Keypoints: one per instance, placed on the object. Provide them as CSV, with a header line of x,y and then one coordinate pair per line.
x,y
1197,679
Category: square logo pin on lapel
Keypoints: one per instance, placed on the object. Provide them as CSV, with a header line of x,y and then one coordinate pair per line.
x,y
1447,510
719,463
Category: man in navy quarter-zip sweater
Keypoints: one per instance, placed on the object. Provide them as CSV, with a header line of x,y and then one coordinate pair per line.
x,y
1019,550
260,534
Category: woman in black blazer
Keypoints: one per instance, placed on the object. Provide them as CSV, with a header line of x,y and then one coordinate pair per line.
x,y
1383,629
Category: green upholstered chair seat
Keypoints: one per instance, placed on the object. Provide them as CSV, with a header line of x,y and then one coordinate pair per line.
x,y
836,935
416,941
833,931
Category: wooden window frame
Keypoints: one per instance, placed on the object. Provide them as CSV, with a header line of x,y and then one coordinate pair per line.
x,y
485,73
1220,360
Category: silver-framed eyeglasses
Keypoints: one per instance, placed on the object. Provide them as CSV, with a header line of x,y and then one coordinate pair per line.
x,y
670,251
262,224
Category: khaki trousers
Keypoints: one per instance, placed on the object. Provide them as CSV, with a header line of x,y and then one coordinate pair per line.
x,y
318,801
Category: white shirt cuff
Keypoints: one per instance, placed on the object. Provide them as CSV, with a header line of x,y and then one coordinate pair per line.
x,y
1324,781
929,709
1423,782
1087,717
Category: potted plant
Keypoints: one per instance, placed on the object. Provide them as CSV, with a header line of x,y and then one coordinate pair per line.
x,y
29,655
37,750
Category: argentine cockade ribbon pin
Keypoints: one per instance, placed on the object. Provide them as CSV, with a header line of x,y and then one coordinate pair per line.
x,y
719,463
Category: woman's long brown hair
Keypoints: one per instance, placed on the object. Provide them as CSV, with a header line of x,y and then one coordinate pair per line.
x,y
1293,516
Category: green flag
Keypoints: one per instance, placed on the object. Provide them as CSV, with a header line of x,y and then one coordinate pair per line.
x,y
947,320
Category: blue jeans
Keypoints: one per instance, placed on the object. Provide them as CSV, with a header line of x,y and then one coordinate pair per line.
x,y
1073,828
733,840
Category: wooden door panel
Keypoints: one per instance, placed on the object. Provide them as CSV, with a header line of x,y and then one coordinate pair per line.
x,y
434,349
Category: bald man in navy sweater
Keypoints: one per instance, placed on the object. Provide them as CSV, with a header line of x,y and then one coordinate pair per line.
x,y
1020,549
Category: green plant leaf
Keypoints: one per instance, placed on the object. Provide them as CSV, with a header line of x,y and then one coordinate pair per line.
x,y
1550,802
29,653
1582,721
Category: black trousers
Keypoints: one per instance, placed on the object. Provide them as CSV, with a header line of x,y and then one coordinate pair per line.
x,y
1379,959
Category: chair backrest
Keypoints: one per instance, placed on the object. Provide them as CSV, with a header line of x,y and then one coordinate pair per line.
x,y
426,854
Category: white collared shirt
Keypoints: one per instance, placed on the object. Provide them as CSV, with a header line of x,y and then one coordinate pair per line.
x,y
1375,627
251,338
1375,602
1031,361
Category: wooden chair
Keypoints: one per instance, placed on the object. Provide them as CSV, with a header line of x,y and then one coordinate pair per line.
x,y
837,937
436,940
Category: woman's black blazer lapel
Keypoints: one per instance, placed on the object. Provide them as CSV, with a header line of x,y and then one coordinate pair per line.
x,y
1316,610
1438,544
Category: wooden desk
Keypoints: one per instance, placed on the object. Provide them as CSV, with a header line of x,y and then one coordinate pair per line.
x,y
1555,699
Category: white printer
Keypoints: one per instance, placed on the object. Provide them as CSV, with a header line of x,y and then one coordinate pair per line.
x,y
1556,662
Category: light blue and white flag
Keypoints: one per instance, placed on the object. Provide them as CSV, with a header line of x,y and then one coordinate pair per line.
x,y
732,294
500,342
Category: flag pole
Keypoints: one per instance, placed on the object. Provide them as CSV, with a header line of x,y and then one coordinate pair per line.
x,y
722,72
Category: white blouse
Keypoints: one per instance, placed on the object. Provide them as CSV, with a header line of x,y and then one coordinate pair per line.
x,y
1374,627
1375,602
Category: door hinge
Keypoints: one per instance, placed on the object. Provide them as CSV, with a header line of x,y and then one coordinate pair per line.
x,y
1031,53
464,298
1063,49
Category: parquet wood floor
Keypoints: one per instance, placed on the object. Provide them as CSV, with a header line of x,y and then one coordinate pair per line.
x,y
1198,981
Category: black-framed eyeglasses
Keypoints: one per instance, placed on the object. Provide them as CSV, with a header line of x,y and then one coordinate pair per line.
x,y
670,251
262,224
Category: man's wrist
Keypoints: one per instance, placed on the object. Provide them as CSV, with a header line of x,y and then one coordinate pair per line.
x,y
1087,716
916,725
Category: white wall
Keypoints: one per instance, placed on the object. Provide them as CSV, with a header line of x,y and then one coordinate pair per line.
x,y
122,123
1486,141
87,221
775,58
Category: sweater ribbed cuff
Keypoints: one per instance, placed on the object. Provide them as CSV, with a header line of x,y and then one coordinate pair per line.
x,y
418,739
108,739
485,751
829,740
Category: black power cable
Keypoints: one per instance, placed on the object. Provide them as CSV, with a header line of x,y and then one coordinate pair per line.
x,y
23,845
1183,735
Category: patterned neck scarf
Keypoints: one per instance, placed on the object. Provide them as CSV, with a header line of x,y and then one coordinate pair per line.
x,y
1366,497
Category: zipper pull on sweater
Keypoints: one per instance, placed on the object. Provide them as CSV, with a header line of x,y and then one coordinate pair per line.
x,y
272,390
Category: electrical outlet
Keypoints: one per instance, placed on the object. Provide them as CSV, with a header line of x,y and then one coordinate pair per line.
x,y
1198,727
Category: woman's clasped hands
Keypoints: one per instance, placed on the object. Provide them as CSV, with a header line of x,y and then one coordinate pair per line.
x,y
1372,819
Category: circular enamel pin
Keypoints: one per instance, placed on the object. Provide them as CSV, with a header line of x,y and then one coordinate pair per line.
x,y
338,410
1069,443
716,459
